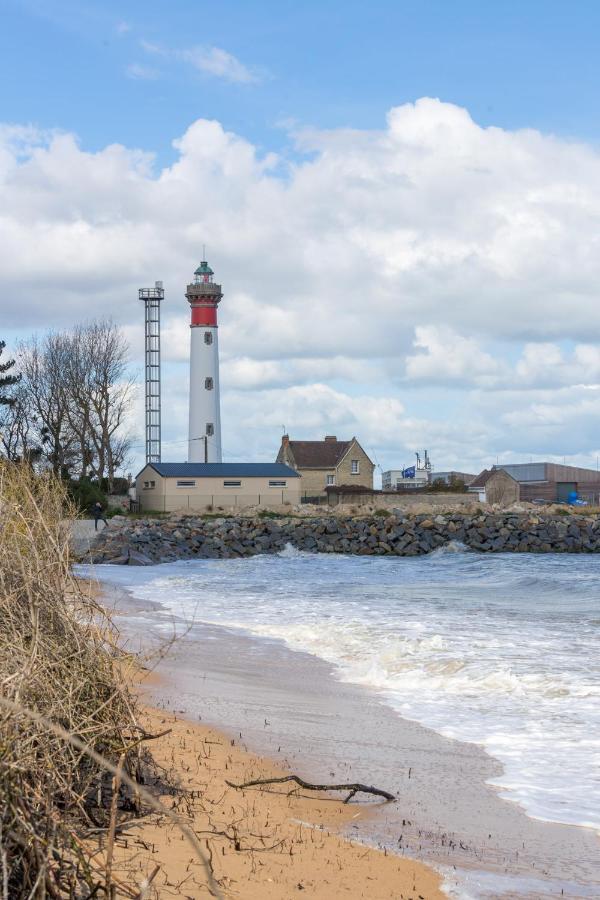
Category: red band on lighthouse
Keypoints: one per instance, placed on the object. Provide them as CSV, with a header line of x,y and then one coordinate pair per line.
x,y
204,315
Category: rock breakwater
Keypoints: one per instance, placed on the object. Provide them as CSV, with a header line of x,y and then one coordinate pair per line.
x,y
149,541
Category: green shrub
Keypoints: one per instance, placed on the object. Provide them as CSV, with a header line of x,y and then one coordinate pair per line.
x,y
383,513
119,485
84,493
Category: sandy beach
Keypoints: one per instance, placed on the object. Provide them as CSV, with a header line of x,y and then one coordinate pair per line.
x,y
290,712
273,842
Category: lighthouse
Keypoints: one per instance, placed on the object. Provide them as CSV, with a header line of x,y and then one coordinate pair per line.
x,y
204,436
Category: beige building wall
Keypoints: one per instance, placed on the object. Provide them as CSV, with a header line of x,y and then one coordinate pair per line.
x,y
167,496
345,473
502,489
314,481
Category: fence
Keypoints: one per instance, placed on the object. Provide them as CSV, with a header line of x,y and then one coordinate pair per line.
x,y
212,502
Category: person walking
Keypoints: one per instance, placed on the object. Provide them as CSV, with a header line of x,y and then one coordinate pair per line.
x,y
98,514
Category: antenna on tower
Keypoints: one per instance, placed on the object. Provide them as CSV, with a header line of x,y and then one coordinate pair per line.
x,y
152,298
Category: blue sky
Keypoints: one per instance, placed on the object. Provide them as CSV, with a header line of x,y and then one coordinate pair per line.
x,y
326,64
402,201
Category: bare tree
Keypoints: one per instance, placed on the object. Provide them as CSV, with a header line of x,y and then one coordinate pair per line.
x,y
43,365
102,392
77,394
20,440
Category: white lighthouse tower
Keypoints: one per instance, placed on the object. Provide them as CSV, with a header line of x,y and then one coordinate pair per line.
x,y
204,436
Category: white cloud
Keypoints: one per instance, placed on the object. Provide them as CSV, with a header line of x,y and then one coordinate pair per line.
x,y
448,357
218,62
142,73
214,61
432,253
155,49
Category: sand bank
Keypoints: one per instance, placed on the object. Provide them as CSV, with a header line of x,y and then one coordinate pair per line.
x,y
274,842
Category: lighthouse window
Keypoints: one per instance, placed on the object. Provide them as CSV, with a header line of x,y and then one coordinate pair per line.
x,y
207,337
208,384
210,428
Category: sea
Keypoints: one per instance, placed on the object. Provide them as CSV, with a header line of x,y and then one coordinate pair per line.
x,y
500,650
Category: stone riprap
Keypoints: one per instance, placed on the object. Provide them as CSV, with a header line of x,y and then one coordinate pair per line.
x,y
149,541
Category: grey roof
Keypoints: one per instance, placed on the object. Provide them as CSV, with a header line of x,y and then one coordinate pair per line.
x,y
222,470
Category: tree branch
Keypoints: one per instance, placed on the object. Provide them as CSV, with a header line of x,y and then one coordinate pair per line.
x,y
353,788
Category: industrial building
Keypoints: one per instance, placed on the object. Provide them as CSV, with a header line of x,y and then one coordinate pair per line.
x,y
409,478
165,487
451,477
546,481
404,479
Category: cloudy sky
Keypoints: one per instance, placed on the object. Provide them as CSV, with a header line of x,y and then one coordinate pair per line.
x,y
401,201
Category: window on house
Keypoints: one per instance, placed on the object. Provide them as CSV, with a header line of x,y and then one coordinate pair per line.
x,y
148,485
232,484
210,429
277,483
355,467
186,484
331,479
207,337
208,384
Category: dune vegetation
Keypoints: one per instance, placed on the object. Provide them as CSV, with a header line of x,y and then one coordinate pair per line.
x,y
67,718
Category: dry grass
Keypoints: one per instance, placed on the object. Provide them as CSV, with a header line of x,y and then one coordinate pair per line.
x,y
57,659
69,735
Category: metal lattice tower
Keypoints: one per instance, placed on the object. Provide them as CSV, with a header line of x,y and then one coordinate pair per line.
x,y
152,298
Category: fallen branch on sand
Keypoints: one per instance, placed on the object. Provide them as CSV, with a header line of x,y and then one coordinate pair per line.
x,y
353,788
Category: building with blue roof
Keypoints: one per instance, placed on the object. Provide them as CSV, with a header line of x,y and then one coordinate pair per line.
x,y
167,487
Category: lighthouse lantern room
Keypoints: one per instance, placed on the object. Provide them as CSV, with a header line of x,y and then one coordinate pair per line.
x,y
204,436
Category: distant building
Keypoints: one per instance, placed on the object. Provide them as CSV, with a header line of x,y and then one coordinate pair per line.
x,y
495,486
326,463
451,476
165,487
554,482
404,479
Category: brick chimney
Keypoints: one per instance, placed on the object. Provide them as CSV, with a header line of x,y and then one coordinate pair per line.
x,y
331,437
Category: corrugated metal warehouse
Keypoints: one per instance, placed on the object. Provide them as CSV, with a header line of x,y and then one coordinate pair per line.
x,y
554,482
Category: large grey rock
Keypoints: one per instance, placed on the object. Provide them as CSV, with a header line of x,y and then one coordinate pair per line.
x,y
139,559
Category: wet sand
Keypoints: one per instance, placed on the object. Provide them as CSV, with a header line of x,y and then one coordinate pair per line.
x,y
262,843
288,706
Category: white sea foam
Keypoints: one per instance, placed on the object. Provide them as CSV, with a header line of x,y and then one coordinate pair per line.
x,y
499,650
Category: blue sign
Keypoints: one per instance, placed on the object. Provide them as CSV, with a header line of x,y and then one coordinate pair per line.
x,y
410,472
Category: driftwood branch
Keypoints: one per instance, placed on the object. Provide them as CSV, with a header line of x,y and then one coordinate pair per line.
x,y
353,788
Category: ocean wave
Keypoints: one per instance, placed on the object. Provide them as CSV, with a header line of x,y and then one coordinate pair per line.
x,y
498,650
450,547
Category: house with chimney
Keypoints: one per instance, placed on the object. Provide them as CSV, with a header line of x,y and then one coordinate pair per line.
x,y
327,463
